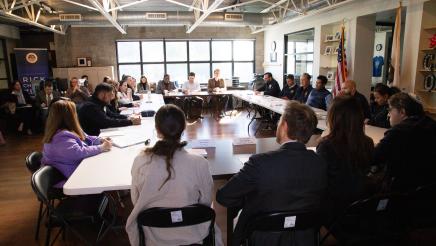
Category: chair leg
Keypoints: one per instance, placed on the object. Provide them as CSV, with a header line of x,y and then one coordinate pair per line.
x,y
38,222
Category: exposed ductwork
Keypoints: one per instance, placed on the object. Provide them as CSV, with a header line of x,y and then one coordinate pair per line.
x,y
136,18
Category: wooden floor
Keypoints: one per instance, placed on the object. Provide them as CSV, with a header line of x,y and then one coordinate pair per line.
x,y
18,204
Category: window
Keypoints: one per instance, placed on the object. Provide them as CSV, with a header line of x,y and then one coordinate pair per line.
x,y
154,58
299,53
4,73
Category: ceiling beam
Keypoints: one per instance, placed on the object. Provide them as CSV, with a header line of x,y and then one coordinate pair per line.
x,y
127,5
273,6
185,5
209,11
106,14
236,5
81,5
29,22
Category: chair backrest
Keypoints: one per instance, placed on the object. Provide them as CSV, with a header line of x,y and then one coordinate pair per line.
x,y
33,161
284,221
43,180
176,217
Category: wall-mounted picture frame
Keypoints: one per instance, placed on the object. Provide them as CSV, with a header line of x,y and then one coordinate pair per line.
x,y
88,62
328,50
329,38
337,35
81,62
330,75
273,56
336,50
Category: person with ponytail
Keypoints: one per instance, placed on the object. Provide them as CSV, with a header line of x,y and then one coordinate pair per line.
x,y
166,175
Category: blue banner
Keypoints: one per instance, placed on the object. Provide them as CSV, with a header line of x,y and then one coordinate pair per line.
x,y
32,65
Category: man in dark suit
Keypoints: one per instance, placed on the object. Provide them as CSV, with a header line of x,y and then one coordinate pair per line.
x,y
291,178
290,88
94,114
271,87
43,100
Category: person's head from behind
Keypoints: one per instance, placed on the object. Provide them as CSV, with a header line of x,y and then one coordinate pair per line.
x,y
403,106
297,123
348,87
74,82
267,77
290,80
143,79
321,81
381,94
48,88
62,115
305,80
16,86
345,120
123,86
170,124
104,93
191,77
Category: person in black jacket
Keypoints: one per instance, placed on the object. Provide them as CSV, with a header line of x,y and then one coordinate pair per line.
x,y
290,178
94,114
348,153
379,108
25,110
271,87
408,148
305,88
290,88
349,88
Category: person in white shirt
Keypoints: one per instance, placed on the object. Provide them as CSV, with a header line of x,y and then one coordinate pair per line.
x,y
124,94
193,106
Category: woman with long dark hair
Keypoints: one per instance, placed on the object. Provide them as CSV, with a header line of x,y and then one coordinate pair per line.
x,y
348,153
166,175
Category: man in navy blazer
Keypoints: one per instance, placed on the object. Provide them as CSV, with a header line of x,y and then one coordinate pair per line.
x,y
290,178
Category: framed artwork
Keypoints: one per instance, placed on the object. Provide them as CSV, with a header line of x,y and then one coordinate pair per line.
x,y
88,62
81,62
328,50
329,38
336,50
379,47
337,35
330,75
273,56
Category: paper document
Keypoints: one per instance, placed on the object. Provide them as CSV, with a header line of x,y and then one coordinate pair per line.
x,y
244,141
201,152
125,141
201,143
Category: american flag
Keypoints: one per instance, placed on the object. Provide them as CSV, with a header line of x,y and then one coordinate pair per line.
x,y
341,70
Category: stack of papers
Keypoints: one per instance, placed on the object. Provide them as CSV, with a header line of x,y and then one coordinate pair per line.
x,y
201,143
244,141
201,152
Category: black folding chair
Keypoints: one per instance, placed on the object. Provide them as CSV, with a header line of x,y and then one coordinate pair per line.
x,y
284,222
370,221
68,209
186,216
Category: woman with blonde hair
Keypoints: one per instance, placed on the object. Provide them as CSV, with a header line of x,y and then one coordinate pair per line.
x,y
65,143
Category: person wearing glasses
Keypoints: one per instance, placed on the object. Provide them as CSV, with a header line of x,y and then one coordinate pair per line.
x,y
65,143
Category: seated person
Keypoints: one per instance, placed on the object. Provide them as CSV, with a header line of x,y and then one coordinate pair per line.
x,y
305,88
271,87
131,84
408,148
379,108
65,143
349,88
76,92
290,178
143,85
348,153
43,100
193,103
214,85
124,95
318,96
290,88
166,175
94,116
87,84
25,111
165,85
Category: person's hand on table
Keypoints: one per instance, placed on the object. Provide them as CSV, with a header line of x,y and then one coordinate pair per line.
x,y
106,144
135,104
136,120
185,91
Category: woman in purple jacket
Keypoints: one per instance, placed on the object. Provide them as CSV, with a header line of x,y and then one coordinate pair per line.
x,y
65,143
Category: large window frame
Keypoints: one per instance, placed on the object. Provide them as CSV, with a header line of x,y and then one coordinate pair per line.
x,y
4,81
188,61
287,53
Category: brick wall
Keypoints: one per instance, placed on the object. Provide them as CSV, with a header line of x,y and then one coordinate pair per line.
x,y
98,43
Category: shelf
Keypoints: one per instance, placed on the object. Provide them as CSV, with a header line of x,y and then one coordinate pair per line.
x,y
329,67
329,54
430,28
330,41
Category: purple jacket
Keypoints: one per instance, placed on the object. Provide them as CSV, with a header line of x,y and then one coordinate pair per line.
x,y
66,151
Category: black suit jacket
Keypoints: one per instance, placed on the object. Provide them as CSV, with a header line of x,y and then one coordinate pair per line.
x,y
409,150
289,92
271,88
291,178
94,116
42,98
